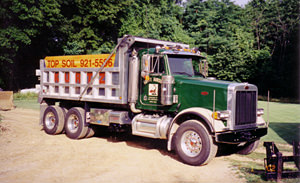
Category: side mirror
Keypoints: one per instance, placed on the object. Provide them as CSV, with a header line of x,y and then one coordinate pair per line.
x,y
203,68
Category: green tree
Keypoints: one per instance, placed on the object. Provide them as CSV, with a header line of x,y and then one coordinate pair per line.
x,y
25,25
239,61
94,24
275,24
212,23
155,19
220,29
32,29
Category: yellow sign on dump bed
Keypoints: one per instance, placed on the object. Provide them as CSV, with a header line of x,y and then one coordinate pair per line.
x,y
79,61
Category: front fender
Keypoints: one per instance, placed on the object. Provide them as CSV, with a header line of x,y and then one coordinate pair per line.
x,y
202,115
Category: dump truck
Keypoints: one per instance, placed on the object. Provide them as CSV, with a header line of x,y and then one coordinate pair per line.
x,y
150,88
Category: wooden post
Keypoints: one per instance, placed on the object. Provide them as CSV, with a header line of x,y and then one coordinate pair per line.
x,y
279,166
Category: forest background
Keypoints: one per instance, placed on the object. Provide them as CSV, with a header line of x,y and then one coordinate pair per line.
x,y
257,43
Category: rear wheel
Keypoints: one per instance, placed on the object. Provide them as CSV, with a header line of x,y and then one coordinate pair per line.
x,y
90,132
53,120
74,125
193,144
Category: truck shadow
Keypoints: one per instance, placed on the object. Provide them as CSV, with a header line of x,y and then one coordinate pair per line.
x,y
135,141
287,131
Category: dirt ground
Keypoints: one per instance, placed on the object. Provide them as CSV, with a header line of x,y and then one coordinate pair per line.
x,y
28,154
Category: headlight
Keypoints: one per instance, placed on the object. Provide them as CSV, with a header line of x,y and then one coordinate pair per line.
x,y
220,115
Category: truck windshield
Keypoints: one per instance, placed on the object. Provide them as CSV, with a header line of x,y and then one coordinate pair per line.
x,y
181,65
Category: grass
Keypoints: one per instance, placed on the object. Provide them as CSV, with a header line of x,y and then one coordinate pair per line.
x,y
253,171
26,101
284,128
25,96
284,120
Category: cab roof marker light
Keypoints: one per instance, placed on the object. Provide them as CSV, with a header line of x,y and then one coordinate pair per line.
x,y
188,50
196,51
193,50
157,48
166,47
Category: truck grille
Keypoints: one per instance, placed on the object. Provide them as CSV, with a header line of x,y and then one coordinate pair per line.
x,y
245,107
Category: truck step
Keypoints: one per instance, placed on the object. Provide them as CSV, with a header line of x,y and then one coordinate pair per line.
x,y
106,117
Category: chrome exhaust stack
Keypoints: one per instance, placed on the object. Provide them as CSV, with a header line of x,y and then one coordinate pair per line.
x,y
133,81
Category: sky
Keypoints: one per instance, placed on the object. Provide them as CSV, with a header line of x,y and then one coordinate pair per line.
x,y
240,2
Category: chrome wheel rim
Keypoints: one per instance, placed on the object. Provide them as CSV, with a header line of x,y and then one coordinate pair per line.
x,y
191,143
73,123
50,120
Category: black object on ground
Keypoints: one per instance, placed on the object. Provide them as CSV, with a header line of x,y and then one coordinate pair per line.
x,y
275,160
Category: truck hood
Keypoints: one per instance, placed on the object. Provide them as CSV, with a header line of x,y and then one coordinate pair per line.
x,y
199,92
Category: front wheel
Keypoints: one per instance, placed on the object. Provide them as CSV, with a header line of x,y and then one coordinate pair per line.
x,y
248,148
74,125
193,144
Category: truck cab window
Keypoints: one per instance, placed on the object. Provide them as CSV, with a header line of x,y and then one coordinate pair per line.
x,y
152,64
157,65
181,65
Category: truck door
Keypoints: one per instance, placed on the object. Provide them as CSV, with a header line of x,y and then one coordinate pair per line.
x,y
153,68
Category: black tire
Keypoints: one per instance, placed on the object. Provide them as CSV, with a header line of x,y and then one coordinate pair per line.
x,y
53,120
74,124
248,148
90,132
65,110
193,144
